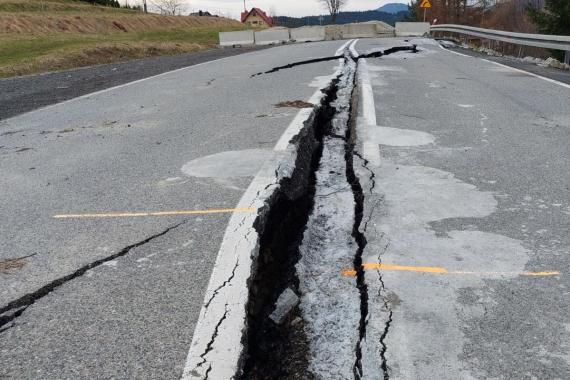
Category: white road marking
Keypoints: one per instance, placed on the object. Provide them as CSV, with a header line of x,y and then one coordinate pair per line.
x,y
454,52
223,314
353,51
370,150
529,73
512,68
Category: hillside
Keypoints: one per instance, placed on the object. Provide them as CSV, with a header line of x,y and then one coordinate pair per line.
x,y
393,8
38,36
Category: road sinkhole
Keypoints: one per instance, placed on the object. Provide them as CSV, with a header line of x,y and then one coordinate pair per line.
x,y
303,319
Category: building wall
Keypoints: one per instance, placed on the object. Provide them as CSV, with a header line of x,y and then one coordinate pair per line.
x,y
255,21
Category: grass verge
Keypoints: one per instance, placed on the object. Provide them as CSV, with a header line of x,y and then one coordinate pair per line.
x,y
22,54
46,35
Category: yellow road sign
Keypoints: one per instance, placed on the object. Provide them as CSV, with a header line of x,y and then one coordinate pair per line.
x,y
425,4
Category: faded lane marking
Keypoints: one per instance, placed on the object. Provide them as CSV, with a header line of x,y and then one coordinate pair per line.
x,y
439,270
157,213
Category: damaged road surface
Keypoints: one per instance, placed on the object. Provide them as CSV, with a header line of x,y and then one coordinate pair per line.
x,y
309,231
392,211
98,277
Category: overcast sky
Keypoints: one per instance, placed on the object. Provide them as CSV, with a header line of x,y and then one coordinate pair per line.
x,y
295,8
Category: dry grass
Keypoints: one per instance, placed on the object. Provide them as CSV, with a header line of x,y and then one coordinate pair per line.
x,y
52,22
39,36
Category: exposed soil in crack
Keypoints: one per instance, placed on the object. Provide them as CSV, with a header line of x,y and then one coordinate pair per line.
x,y
282,351
15,308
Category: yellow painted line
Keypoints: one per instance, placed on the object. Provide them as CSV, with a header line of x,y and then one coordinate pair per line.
x,y
157,213
439,270
404,268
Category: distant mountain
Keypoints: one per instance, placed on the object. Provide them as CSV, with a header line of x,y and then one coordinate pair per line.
x,y
393,8
343,18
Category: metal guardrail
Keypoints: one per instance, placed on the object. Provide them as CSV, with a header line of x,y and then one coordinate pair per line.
x,y
537,40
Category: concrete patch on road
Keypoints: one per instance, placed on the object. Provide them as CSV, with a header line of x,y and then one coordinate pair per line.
x,y
402,201
397,137
242,163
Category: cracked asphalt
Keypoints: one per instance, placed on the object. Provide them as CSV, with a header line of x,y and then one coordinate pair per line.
x,y
462,165
468,211
123,151
26,93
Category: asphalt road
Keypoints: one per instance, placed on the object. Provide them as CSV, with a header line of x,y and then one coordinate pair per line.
x,y
548,72
466,205
26,93
123,150
471,196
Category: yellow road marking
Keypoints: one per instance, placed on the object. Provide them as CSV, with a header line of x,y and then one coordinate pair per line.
x,y
438,270
404,268
157,213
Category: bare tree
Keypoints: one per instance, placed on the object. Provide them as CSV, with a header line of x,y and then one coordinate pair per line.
x,y
333,6
168,7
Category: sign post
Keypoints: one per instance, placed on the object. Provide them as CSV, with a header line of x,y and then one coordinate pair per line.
x,y
425,5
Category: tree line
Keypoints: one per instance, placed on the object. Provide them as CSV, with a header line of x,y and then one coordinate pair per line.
x,y
341,18
544,16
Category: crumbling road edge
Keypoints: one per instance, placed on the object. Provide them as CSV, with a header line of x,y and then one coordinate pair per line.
x,y
216,348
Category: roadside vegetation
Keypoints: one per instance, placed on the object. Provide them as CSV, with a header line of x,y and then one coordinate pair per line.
x,y
46,35
523,16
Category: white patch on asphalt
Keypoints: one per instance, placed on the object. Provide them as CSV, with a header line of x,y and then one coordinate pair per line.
x,y
466,105
240,163
414,197
405,202
397,137
528,73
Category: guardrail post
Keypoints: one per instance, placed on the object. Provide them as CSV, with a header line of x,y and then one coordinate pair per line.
x,y
567,58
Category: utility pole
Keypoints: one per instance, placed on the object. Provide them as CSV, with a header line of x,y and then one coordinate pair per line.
x,y
244,7
145,7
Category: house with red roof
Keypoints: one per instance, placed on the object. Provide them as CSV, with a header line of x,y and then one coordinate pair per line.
x,y
256,18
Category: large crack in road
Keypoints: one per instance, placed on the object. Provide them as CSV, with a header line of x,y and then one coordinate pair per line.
x,y
16,308
309,230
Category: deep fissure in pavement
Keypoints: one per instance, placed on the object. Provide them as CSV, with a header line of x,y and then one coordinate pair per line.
x,y
356,233
280,351
283,350
15,308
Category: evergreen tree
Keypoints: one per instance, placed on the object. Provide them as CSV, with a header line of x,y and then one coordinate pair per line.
x,y
553,19
413,8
